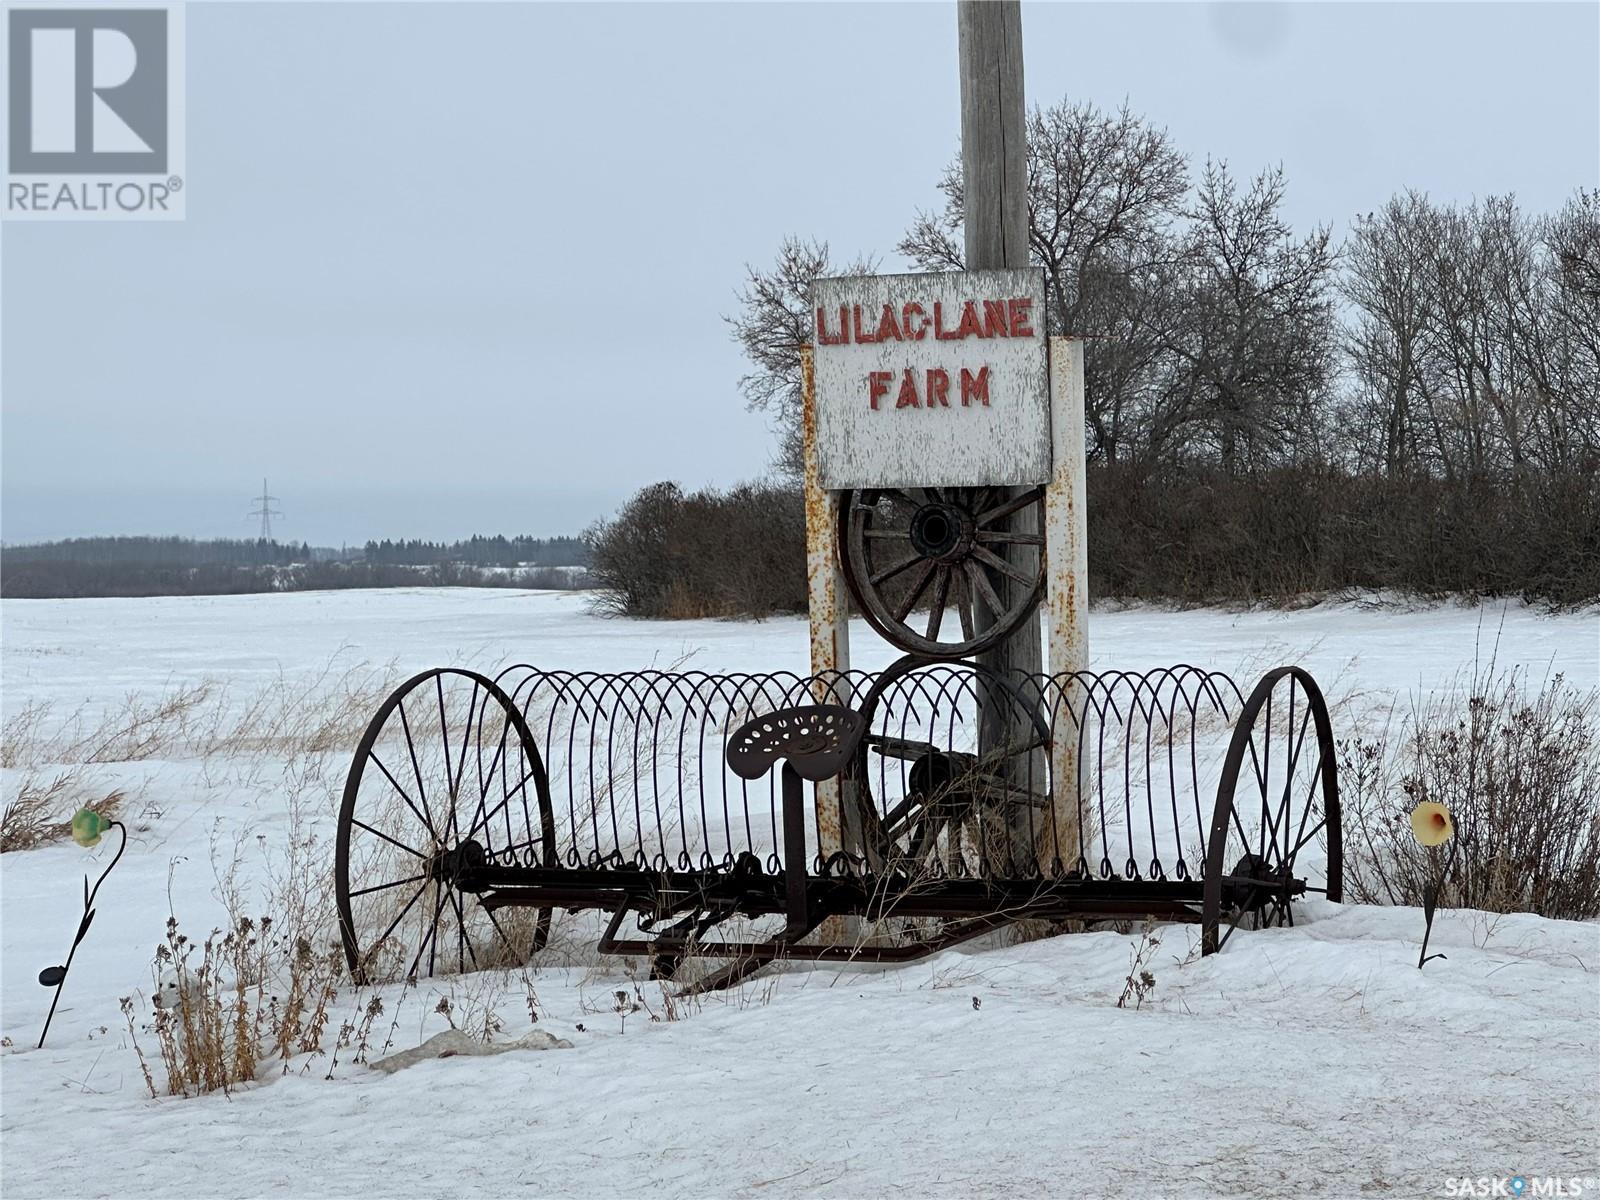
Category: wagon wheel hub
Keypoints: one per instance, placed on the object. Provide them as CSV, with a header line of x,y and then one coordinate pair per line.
x,y
451,865
942,531
1254,881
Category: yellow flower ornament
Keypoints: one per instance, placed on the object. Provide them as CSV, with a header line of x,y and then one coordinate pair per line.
x,y
1431,824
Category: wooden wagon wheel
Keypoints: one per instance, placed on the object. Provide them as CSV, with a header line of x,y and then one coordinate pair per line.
x,y
446,778
957,801
902,548
1275,831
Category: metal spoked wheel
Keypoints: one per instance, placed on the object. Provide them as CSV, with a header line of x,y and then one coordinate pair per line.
x,y
1275,832
446,779
905,549
952,805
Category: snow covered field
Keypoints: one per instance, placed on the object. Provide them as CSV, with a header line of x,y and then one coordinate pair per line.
x,y
1314,1061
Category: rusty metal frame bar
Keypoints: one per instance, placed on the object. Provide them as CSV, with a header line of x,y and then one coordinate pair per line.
x,y
1067,573
838,826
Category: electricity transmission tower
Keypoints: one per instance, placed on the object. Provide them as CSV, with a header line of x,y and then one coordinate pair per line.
x,y
263,509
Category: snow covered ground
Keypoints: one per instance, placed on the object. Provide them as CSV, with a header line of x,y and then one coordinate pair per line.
x,y
1315,1061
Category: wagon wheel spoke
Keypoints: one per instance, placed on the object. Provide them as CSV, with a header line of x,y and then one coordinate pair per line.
x,y
964,607
1011,507
984,588
889,573
914,593
941,597
999,564
990,537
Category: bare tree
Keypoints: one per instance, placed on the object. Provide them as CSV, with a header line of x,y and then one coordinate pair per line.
x,y
1103,188
774,322
1251,329
1476,335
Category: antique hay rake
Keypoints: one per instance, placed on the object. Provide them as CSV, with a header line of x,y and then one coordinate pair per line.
x,y
958,791
476,807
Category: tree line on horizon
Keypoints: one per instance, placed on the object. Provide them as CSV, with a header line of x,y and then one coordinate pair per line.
x,y
156,566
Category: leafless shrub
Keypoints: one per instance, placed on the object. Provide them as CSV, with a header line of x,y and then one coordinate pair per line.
x,y
702,554
1519,769
219,1016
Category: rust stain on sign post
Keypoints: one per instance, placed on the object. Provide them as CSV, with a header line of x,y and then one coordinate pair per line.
x,y
830,628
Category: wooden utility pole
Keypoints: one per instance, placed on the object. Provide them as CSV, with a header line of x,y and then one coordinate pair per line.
x,y
994,172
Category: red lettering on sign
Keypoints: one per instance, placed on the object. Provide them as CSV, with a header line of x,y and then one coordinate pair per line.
x,y
939,387
975,387
970,325
911,322
908,391
994,319
861,335
1020,317
825,338
907,314
878,385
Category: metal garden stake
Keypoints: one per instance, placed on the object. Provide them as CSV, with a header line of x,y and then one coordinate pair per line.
x,y
88,827
1432,826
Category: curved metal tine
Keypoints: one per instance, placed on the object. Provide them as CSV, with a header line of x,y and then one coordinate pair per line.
x,y
484,777
478,819
504,800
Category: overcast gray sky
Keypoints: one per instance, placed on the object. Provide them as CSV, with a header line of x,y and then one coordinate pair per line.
x,y
456,268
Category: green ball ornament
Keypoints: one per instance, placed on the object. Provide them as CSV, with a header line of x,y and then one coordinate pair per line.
x,y
88,826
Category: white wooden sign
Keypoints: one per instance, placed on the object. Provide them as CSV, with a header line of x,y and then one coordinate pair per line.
x,y
933,380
